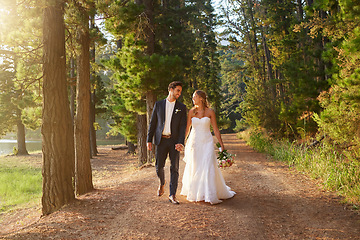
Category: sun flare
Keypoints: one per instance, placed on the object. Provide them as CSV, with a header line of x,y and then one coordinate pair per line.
x,y
3,14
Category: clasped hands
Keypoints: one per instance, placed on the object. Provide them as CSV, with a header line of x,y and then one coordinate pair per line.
x,y
179,147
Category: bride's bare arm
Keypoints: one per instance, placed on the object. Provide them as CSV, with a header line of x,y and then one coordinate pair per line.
x,y
188,125
216,129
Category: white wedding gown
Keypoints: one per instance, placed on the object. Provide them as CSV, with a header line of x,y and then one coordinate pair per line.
x,y
202,179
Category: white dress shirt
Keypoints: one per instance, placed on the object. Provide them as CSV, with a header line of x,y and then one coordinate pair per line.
x,y
169,109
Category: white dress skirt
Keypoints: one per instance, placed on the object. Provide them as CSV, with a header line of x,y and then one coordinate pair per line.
x,y
202,179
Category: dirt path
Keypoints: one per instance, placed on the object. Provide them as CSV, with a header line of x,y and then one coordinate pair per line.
x,y
272,202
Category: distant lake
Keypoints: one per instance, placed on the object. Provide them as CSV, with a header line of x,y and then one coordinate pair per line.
x,y
7,145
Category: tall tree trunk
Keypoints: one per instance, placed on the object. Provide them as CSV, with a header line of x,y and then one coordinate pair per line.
x,y
322,65
149,29
72,88
252,43
142,131
270,74
131,147
253,24
309,2
57,129
93,145
300,10
21,137
83,173
150,102
150,40
141,127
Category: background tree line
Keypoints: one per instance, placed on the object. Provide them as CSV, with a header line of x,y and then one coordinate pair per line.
x,y
300,66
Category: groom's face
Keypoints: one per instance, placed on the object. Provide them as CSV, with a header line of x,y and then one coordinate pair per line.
x,y
175,92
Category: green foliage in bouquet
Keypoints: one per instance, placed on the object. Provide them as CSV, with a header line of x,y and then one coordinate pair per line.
x,y
225,159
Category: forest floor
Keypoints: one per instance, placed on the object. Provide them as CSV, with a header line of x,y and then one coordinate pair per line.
x,y
272,202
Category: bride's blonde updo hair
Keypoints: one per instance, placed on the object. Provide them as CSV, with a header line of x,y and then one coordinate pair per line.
x,y
203,97
204,100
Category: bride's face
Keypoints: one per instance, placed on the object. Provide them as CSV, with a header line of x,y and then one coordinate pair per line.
x,y
196,99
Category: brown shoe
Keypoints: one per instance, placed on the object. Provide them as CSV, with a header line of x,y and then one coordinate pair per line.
x,y
173,199
161,190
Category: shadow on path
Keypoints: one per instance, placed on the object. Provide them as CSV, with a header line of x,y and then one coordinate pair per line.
x,y
272,202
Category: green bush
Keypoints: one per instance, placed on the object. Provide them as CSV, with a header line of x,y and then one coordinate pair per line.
x,y
241,125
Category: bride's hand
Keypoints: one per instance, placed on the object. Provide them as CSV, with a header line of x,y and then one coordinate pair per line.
x,y
179,147
222,148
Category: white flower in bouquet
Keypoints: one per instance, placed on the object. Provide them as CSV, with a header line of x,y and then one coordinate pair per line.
x,y
225,159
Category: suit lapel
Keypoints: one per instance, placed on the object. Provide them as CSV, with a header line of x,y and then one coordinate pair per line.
x,y
175,107
174,111
162,110
174,118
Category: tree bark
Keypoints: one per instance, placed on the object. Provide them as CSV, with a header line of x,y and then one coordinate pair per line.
x,y
253,24
131,147
150,40
57,129
21,138
72,89
252,44
143,120
269,67
142,132
149,29
300,10
309,2
83,172
93,145
150,102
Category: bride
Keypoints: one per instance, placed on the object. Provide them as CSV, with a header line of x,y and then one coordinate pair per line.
x,y
202,179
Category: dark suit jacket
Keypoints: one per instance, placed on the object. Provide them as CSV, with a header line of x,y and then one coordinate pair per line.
x,y
157,122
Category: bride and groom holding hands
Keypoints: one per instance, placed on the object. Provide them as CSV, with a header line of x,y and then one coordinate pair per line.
x,y
169,126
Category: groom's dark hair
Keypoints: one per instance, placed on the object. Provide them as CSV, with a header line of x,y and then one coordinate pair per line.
x,y
174,84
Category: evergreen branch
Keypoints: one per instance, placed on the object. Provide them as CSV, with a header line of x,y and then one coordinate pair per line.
x,y
108,15
7,52
26,51
31,82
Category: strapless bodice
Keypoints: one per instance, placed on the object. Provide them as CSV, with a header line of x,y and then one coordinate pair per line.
x,y
201,124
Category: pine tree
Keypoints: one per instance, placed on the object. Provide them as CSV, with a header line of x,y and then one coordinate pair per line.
x,y
57,128
284,76
83,172
339,121
205,65
20,43
83,36
137,71
232,88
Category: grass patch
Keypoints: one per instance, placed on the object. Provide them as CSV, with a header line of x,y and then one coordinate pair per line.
x,y
20,182
335,171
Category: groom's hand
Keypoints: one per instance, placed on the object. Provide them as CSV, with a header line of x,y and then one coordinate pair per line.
x,y
149,146
179,147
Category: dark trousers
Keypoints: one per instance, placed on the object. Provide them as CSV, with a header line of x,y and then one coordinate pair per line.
x,y
167,146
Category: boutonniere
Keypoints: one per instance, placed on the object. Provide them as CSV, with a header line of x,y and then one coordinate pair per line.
x,y
177,110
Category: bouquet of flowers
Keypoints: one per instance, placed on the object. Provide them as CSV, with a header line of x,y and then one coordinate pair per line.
x,y
224,158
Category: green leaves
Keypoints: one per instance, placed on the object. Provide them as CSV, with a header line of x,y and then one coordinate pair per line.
x,y
339,120
283,69
20,64
184,50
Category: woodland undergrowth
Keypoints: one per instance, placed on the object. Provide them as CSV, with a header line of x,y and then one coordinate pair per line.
x,y
336,172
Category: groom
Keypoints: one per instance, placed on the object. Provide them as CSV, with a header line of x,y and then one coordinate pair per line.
x,y
167,125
